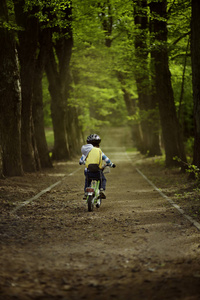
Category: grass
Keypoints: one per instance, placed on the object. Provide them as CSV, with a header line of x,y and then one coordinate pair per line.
x,y
131,149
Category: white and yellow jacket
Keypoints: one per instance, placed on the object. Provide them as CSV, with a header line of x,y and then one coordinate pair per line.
x,y
93,155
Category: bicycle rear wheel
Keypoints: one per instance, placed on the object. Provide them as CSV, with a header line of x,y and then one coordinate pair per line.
x,y
98,203
90,203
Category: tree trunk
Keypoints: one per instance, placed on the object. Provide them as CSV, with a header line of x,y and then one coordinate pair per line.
x,y
59,78
73,130
10,105
150,133
72,122
38,114
195,55
28,39
58,106
1,164
170,127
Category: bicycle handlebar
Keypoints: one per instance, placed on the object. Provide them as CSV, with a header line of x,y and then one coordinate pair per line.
x,y
113,166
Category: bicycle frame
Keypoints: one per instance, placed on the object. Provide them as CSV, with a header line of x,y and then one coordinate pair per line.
x,y
94,192
93,189
93,195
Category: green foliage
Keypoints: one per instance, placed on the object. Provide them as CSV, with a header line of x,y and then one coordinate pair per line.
x,y
184,106
143,115
194,170
8,21
180,65
96,89
50,12
190,168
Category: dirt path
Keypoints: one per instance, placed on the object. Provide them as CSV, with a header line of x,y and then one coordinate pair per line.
x,y
136,246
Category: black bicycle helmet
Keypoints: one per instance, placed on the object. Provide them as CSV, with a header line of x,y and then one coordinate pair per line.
x,y
94,139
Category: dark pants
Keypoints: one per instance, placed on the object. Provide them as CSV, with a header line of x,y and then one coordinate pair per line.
x,y
89,176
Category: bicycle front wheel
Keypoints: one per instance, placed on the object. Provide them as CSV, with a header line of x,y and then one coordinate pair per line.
x,y
90,203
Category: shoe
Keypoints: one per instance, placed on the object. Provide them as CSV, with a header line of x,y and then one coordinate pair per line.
x,y
102,195
85,197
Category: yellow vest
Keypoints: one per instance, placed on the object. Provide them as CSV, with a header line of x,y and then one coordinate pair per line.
x,y
94,159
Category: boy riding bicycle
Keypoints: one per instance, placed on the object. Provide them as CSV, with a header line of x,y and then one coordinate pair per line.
x,y
93,158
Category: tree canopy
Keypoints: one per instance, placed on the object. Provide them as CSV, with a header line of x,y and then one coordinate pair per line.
x,y
86,64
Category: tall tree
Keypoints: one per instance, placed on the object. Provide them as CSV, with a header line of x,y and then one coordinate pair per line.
x,y
195,56
170,127
10,98
38,114
28,42
149,125
58,74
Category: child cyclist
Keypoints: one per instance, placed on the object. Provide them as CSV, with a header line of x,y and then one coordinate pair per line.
x,y
93,158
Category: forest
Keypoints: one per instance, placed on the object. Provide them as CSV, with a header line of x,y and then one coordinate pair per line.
x,y
81,65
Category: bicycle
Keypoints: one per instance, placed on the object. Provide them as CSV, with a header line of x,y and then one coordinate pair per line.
x,y
93,192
